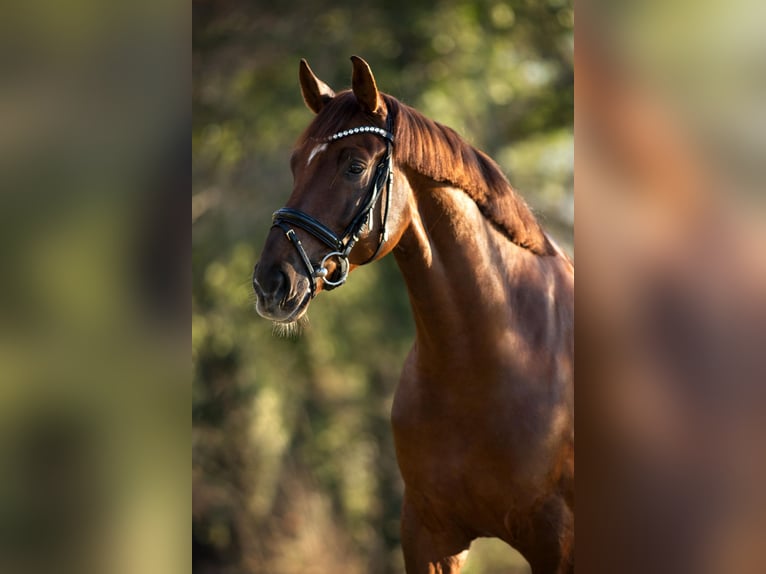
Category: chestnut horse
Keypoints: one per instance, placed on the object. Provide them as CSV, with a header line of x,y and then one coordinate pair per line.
x,y
483,413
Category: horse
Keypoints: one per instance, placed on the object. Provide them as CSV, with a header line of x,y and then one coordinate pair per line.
x,y
483,415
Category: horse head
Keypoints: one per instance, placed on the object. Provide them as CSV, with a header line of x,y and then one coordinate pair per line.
x,y
346,207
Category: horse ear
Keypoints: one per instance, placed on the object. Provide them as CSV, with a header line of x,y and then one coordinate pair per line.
x,y
315,92
363,85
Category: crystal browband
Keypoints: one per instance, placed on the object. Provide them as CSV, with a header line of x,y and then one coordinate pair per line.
x,y
362,129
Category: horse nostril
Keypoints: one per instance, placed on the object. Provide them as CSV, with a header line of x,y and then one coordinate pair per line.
x,y
257,286
280,285
273,283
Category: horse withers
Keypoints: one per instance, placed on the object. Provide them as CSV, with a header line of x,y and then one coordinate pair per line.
x,y
482,417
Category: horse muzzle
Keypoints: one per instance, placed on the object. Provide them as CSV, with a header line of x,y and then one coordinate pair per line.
x,y
281,294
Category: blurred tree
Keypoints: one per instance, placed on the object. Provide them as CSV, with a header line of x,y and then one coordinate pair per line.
x,y
294,468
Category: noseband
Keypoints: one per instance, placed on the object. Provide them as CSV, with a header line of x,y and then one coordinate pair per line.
x,y
341,245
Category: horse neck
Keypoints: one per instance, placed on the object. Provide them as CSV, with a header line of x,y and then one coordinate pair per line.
x,y
470,287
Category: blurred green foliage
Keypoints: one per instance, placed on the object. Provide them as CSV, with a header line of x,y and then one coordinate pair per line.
x,y
294,469
93,336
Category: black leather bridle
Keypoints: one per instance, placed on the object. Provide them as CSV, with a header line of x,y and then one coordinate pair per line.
x,y
341,245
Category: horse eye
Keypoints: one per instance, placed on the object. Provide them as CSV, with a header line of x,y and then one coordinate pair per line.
x,y
356,168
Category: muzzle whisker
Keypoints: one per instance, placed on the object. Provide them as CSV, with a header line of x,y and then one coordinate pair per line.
x,y
290,330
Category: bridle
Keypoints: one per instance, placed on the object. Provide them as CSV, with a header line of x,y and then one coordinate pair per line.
x,y
341,245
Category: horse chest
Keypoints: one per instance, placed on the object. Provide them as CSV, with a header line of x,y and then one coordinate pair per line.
x,y
440,437
466,444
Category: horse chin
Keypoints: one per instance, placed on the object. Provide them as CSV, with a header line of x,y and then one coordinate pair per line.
x,y
295,322
292,328
290,317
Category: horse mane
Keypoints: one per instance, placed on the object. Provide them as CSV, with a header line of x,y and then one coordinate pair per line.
x,y
438,152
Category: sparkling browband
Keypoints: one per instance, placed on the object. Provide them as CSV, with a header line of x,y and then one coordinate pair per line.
x,y
362,129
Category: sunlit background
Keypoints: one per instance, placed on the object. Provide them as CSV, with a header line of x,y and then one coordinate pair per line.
x,y
293,462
